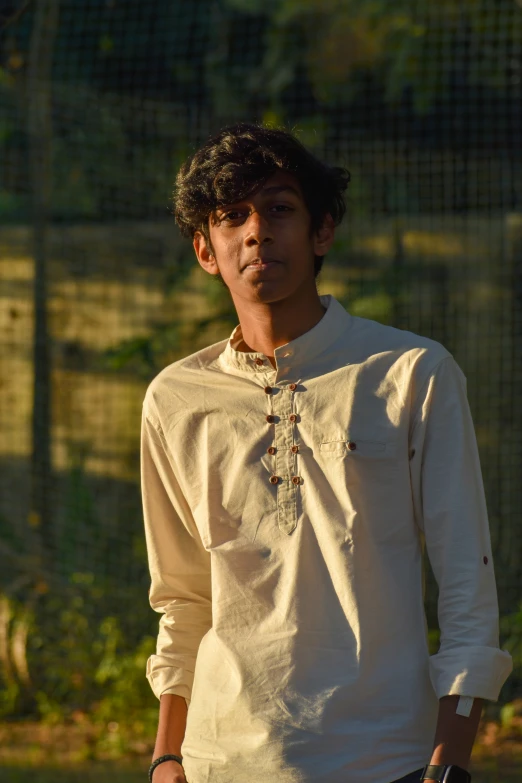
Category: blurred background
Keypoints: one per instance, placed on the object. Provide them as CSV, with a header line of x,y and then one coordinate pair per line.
x,y
100,102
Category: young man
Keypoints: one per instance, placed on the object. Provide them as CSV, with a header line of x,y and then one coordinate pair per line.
x,y
291,475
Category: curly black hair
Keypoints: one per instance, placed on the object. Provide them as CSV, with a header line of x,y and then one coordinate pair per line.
x,y
237,161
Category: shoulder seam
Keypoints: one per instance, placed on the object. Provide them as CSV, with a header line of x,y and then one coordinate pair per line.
x,y
155,424
417,407
147,414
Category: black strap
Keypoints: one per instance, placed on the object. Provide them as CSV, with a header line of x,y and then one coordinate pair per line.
x,y
160,760
436,772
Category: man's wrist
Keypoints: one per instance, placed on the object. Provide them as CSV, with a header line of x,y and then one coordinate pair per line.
x,y
167,758
445,773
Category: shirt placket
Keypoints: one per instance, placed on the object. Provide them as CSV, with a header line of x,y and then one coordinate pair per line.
x,y
283,418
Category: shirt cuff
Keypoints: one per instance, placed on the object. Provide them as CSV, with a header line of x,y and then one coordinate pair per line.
x,y
165,678
464,671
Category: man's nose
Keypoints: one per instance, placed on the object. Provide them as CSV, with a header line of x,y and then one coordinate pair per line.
x,y
258,230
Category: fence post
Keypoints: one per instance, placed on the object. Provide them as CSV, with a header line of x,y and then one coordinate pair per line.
x,y
511,411
39,131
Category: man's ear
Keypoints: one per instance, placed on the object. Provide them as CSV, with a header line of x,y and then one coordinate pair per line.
x,y
204,254
324,236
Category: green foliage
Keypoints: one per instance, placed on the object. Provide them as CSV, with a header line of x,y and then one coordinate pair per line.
x,y
98,773
143,355
337,42
128,699
114,772
148,354
9,698
507,713
88,622
65,648
433,640
105,676
378,307
511,631
83,660
116,152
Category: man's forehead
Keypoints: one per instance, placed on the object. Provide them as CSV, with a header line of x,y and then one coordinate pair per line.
x,y
280,181
273,189
277,183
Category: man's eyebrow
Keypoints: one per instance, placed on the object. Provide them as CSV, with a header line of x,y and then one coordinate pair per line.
x,y
279,189
266,191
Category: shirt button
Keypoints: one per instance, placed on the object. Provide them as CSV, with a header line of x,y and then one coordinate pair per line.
x,y
352,446
293,417
296,479
293,386
268,389
485,560
295,449
274,479
259,362
270,418
271,450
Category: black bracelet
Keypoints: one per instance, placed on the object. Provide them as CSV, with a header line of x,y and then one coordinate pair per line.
x,y
160,760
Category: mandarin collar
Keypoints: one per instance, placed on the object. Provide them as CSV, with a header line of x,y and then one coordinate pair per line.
x,y
295,354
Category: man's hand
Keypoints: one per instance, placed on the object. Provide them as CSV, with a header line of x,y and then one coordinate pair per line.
x,y
169,772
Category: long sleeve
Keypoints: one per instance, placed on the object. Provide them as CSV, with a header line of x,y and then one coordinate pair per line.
x,y
450,509
179,568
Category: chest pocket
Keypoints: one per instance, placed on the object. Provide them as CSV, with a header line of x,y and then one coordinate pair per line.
x,y
362,484
361,475
356,448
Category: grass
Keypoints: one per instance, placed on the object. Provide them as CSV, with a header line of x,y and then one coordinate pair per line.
x,y
92,773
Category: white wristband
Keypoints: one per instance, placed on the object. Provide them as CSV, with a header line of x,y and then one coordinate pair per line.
x,y
464,705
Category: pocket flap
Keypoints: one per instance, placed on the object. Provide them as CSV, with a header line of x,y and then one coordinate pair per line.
x,y
352,446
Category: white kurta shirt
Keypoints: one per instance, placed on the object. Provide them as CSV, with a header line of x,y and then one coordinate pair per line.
x,y
285,513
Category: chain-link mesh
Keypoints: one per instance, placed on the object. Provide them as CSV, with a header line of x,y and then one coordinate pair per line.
x,y
100,102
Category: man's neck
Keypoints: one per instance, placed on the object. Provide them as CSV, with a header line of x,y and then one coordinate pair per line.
x,y
265,327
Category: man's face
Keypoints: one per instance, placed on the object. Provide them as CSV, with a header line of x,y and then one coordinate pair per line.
x,y
271,226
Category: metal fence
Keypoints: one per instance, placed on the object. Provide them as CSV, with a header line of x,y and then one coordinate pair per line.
x,y
100,101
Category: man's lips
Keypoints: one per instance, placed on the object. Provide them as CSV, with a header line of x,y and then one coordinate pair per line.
x,y
261,263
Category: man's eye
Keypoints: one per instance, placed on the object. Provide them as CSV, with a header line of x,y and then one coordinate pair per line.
x,y
232,215
237,214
